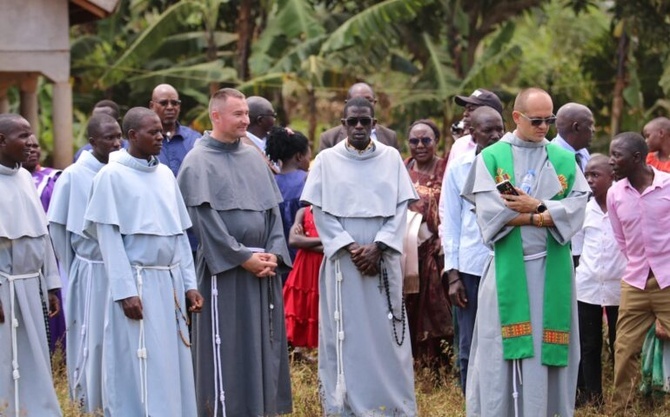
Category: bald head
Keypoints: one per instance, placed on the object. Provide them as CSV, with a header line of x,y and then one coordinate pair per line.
x,y
96,123
362,90
657,135
633,142
486,126
533,114
483,114
574,123
135,119
601,161
162,89
166,104
15,134
526,98
258,106
8,122
660,123
261,116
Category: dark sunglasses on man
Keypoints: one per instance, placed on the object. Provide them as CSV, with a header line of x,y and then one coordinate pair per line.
x,y
354,121
174,103
537,121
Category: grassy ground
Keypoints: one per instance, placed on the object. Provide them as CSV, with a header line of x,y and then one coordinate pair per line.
x,y
437,395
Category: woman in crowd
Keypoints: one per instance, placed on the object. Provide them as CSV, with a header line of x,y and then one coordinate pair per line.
x,y
427,295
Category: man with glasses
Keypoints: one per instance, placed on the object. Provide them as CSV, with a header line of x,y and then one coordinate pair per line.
x,y
178,140
360,191
574,123
525,348
262,117
379,133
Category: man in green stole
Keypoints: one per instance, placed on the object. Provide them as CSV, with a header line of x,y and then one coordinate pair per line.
x,y
525,350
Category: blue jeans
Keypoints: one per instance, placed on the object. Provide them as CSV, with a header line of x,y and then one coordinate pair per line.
x,y
465,317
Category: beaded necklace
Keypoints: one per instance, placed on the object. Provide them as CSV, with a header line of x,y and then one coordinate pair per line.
x,y
384,281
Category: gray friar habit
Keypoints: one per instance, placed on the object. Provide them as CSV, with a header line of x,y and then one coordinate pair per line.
x,y
240,347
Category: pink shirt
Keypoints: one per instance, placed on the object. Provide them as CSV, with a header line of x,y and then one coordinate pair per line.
x,y
640,225
461,145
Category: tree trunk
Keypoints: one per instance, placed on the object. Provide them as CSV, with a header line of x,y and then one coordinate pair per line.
x,y
620,83
211,56
245,30
311,130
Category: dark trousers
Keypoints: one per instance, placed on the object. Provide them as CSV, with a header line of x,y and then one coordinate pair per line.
x,y
589,381
465,318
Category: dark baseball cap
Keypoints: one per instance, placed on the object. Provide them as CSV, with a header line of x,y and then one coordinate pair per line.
x,y
481,97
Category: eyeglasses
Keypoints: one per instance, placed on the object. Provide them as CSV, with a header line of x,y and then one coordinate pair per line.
x,y
354,121
174,103
537,121
425,140
268,115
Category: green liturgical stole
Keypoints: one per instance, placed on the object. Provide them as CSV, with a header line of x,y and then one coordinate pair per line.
x,y
512,287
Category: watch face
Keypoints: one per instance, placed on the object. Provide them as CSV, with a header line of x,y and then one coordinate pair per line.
x,y
541,208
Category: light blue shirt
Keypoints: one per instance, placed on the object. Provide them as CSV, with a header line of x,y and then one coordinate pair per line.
x,y
584,153
464,249
577,241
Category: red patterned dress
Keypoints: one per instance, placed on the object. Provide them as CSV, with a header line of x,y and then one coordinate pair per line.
x,y
429,311
301,293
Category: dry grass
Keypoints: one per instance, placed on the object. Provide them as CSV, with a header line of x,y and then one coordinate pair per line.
x,y
438,395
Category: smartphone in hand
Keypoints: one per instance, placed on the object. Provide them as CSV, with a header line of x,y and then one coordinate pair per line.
x,y
506,187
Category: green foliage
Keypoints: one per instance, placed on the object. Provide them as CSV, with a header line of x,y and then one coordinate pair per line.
x,y
417,54
378,21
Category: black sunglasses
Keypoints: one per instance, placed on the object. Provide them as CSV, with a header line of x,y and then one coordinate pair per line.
x,y
425,140
268,115
354,121
537,121
174,103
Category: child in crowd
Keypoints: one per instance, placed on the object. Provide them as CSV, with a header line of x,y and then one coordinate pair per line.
x,y
598,278
301,292
291,150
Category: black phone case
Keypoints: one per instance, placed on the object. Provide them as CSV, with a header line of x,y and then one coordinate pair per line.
x,y
506,187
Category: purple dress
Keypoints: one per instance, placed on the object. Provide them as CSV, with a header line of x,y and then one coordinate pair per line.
x,y
290,185
45,179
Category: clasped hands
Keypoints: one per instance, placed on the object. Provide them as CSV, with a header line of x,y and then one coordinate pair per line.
x,y
261,264
365,257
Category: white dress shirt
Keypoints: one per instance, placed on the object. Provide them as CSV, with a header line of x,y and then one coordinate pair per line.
x,y
464,249
260,142
602,264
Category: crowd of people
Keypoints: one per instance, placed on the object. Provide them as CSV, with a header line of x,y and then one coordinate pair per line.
x,y
179,272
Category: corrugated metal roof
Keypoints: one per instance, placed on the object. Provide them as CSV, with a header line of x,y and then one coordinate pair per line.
x,y
82,11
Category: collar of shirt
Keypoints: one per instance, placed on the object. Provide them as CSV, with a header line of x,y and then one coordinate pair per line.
x,y
660,179
558,140
350,148
260,142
